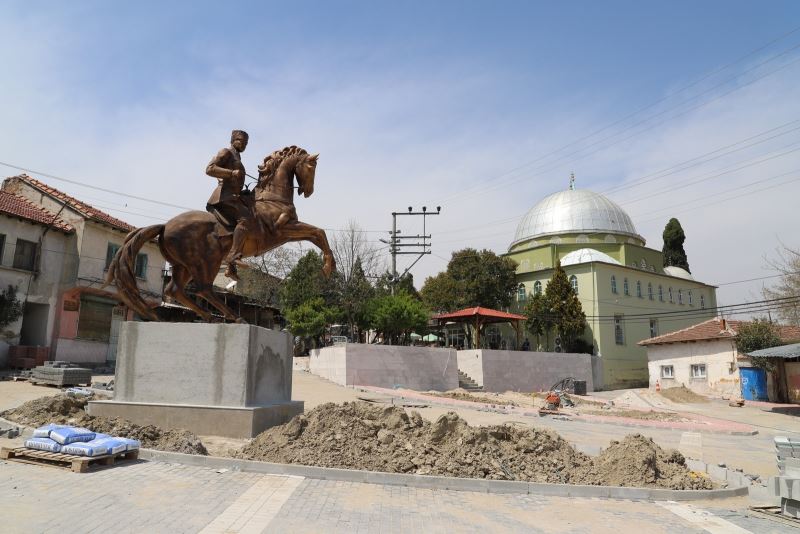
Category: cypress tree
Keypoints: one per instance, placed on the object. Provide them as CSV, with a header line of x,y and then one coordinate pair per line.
x,y
674,255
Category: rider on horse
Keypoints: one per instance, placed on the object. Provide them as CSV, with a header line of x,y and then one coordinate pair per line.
x,y
230,201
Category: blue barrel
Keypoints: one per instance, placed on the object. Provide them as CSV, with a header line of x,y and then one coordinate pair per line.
x,y
754,383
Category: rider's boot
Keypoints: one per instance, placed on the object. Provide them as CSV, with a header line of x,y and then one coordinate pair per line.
x,y
235,254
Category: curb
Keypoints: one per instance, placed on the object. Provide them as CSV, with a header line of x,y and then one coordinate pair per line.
x,y
438,482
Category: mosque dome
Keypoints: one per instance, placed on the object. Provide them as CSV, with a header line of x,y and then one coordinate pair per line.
x,y
575,211
678,272
586,255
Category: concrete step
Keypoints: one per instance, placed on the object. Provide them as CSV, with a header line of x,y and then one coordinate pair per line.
x,y
466,382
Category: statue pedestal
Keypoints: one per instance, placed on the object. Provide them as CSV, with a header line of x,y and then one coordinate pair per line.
x,y
231,380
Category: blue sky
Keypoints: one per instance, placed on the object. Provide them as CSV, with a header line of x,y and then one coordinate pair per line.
x,y
419,102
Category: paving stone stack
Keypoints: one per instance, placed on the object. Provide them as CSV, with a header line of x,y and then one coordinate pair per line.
x,y
787,484
62,374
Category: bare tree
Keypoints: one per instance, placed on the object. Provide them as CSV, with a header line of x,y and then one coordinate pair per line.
x,y
351,245
277,262
787,264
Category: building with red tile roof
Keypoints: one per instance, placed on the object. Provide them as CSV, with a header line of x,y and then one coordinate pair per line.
x,y
13,205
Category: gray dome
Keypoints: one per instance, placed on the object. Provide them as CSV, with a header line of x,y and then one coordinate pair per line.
x,y
574,211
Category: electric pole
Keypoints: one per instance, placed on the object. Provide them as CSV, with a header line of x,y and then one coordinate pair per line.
x,y
398,245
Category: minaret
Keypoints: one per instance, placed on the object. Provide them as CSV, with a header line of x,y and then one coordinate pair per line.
x,y
572,181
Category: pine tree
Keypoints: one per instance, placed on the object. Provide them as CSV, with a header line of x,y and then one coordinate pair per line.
x,y
564,309
674,255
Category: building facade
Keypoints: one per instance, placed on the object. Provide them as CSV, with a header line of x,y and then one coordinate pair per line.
x,y
625,291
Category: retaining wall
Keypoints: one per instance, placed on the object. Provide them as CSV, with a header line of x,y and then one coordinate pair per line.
x,y
387,366
514,370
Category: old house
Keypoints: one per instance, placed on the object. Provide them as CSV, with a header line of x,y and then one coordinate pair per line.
x,y
82,320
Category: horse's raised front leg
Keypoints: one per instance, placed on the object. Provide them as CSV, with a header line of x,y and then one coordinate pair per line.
x,y
300,231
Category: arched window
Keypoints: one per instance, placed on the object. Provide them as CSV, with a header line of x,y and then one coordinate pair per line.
x,y
669,292
573,281
702,301
690,298
613,284
680,296
660,293
625,286
650,291
643,264
521,293
638,289
537,288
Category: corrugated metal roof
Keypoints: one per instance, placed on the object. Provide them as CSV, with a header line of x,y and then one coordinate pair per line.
x,y
783,351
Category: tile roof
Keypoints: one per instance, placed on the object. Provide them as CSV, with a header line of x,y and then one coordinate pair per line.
x,y
713,329
18,206
483,312
90,212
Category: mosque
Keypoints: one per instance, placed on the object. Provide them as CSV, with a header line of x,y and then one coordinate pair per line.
x,y
626,292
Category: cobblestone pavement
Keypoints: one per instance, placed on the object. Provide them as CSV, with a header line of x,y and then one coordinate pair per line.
x,y
156,497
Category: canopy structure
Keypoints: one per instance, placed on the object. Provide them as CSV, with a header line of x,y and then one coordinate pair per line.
x,y
478,317
431,338
782,351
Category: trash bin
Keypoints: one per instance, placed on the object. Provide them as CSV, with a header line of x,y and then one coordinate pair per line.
x,y
579,387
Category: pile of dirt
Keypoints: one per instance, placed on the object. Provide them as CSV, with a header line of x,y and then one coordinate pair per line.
x,y
650,415
357,435
63,409
683,394
465,396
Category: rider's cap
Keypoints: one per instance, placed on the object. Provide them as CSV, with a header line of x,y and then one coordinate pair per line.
x,y
237,133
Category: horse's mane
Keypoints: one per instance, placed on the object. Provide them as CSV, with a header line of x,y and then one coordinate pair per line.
x,y
271,163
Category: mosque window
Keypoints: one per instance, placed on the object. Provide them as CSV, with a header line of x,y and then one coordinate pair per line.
x,y
625,288
669,292
652,268
690,298
643,264
619,333
613,284
660,293
680,296
702,301
537,288
638,289
573,281
650,291
521,293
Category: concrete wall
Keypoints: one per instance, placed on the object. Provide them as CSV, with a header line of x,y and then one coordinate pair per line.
x,y
387,366
512,370
719,357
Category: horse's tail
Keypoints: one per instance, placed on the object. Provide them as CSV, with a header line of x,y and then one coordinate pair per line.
x,y
122,270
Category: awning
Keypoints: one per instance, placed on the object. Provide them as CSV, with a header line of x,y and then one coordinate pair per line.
x,y
783,351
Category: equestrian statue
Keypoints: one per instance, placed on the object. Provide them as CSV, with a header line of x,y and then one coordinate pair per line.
x,y
237,223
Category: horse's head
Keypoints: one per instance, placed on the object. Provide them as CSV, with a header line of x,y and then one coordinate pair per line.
x,y
305,170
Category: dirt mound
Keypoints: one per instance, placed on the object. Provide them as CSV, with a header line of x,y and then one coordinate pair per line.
x,y
63,409
683,394
637,461
357,435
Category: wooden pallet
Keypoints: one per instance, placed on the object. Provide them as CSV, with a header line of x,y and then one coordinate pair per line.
x,y
78,464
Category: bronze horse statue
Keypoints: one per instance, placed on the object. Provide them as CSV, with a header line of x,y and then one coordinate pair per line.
x,y
195,242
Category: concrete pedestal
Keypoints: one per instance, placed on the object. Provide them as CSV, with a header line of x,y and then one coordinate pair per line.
x,y
212,379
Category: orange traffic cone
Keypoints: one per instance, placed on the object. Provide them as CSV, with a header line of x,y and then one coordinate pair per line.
x,y
658,385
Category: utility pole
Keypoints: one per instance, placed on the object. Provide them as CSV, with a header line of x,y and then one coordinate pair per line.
x,y
397,245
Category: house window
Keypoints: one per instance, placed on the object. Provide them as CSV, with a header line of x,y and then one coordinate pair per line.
x,y
638,289
613,284
702,301
111,251
2,246
625,287
573,281
650,291
671,298
619,334
537,288
94,319
699,370
667,371
680,296
660,294
690,298
653,327
141,267
24,255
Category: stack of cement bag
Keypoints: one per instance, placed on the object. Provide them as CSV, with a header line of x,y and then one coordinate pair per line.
x,y
787,484
61,374
78,441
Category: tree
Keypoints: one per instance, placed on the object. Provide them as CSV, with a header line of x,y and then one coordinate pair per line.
x,y
278,262
757,335
539,322
673,252
559,311
787,265
472,278
405,283
354,297
306,282
395,315
351,247
10,307
308,319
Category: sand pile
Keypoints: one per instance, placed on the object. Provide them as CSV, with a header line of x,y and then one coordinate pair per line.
x,y
62,409
364,436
